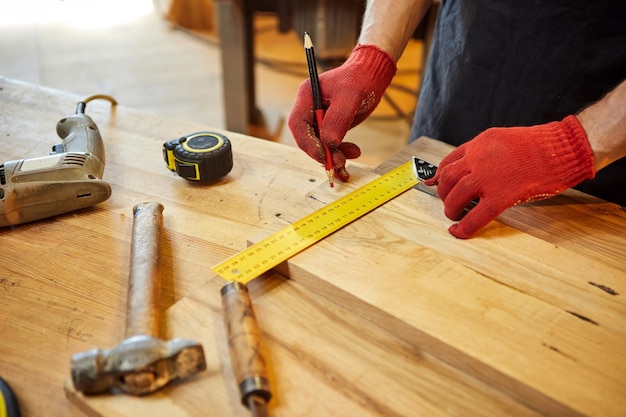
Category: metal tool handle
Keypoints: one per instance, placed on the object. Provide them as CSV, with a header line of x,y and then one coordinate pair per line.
x,y
244,342
145,271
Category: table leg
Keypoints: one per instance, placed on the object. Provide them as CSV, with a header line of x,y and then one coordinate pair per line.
x,y
235,33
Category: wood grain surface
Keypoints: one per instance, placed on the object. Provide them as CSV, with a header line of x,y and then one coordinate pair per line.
x,y
533,306
63,280
324,360
393,316
390,316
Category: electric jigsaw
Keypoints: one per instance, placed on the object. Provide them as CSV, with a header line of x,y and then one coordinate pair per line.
x,y
68,179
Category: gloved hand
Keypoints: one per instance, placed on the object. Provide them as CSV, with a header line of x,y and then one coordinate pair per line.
x,y
349,93
503,167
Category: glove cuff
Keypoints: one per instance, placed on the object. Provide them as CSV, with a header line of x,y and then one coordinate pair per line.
x,y
577,156
378,63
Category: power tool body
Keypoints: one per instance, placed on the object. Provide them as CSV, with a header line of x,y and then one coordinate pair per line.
x,y
68,179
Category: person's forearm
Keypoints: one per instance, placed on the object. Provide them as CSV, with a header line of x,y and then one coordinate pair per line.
x,y
389,24
605,125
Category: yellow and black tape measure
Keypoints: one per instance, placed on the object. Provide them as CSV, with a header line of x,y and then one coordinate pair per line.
x,y
9,406
201,156
271,251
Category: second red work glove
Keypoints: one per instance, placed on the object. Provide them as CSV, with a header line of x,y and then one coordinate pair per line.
x,y
350,93
503,167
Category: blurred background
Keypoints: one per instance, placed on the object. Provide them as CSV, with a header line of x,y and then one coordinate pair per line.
x,y
166,56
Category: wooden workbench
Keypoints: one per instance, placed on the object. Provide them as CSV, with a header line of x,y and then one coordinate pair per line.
x,y
390,316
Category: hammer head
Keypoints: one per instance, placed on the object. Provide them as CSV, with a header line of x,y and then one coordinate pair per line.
x,y
139,365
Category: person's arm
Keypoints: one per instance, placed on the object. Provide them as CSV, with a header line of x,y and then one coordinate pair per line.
x,y
389,24
605,125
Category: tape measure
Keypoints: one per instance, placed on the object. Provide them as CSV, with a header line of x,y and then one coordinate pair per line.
x,y
282,245
9,406
201,156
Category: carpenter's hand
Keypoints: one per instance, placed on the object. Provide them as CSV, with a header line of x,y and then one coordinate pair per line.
x,y
503,167
349,94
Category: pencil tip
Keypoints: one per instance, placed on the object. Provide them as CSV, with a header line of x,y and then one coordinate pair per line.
x,y
308,43
331,176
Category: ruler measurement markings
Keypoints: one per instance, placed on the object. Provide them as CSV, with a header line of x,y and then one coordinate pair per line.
x,y
280,246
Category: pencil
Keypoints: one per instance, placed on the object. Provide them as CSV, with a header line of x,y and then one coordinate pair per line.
x,y
318,107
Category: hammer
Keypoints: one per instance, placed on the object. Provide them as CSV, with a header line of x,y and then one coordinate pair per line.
x,y
142,363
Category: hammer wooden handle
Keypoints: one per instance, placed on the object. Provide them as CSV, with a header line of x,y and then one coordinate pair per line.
x,y
145,271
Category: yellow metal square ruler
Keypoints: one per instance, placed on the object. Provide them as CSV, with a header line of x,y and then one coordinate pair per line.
x,y
280,246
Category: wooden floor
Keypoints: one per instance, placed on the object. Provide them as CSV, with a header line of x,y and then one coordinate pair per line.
x,y
148,64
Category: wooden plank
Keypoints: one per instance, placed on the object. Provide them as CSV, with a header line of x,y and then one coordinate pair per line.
x,y
394,313
524,314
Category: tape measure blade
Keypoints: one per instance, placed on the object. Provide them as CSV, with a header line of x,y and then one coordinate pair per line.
x,y
287,242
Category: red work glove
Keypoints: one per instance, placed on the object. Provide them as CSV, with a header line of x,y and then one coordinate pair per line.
x,y
350,93
503,167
